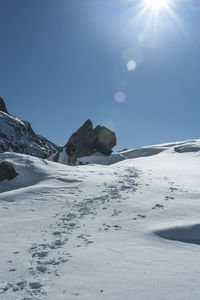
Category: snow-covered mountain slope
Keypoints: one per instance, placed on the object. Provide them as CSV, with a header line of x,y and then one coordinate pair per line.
x,y
124,231
98,158
18,136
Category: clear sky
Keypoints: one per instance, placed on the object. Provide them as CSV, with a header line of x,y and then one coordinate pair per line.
x,y
131,65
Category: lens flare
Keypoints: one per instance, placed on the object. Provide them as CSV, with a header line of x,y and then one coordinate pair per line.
x,y
131,65
120,97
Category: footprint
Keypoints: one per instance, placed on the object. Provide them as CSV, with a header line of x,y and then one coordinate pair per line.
x,y
117,227
40,254
35,285
116,212
140,216
158,206
42,269
168,198
172,189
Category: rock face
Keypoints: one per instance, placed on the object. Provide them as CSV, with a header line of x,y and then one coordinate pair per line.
x,y
7,171
3,106
17,135
105,139
88,140
83,139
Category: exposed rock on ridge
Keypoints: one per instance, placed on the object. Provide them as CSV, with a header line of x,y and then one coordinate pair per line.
x,y
17,135
88,140
3,106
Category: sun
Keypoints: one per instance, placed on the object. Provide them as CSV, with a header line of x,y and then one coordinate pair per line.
x,y
156,4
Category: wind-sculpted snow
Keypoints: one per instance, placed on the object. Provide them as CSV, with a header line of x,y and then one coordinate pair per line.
x,y
99,158
184,233
187,148
142,152
120,156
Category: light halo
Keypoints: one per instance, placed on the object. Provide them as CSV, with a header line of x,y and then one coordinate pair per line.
x,y
156,4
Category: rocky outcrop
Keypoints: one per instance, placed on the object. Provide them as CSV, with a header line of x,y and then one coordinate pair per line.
x,y
105,139
17,135
3,106
7,171
88,140
83,139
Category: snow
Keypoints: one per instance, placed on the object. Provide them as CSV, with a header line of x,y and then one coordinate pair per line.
x,y
122,227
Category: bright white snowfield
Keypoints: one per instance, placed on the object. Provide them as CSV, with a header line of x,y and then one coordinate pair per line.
x,y
124,231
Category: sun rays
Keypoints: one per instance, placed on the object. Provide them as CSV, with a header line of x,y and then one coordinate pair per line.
x,y
156,4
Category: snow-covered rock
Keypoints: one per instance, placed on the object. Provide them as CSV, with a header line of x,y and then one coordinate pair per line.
x,y
17,135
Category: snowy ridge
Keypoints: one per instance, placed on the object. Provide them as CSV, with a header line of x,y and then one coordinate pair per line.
x,y
102,231
98,158
17,135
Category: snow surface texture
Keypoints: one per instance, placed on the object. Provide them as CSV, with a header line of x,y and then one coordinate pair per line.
x,y
17,135
124,231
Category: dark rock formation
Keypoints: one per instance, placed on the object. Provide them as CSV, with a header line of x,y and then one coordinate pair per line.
x,y
17,135
7,171
84,139
3,106
88,140
106,140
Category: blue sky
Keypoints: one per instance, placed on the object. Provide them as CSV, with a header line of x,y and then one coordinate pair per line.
x,y
64,61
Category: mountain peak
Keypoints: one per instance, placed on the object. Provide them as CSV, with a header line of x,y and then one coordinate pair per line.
x,y
3,106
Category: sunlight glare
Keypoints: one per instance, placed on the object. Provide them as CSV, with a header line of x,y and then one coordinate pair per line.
x,y
156,4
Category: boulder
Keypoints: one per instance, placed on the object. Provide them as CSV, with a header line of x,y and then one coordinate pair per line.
x,y
7,171
88,140
106,140
84,139
3,106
